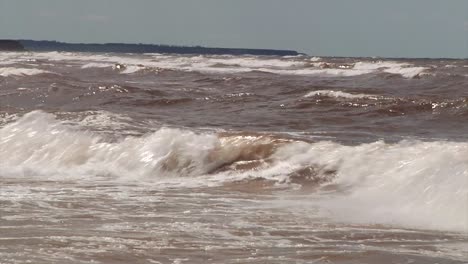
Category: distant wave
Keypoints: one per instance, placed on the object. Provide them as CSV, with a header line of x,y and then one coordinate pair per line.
x,y
229,64
10,71
403,69
319,72
338,94
408,72
97,65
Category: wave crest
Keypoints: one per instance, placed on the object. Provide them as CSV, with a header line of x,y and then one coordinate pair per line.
x,y
10,71
339,94
38,138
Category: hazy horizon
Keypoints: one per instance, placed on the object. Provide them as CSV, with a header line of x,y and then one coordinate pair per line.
x,y
358,28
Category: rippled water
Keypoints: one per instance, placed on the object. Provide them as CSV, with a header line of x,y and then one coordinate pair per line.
x,y
122,158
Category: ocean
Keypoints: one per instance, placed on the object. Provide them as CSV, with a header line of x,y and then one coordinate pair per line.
x,y
156,158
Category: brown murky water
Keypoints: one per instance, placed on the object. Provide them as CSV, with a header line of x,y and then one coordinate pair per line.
x,y
121,158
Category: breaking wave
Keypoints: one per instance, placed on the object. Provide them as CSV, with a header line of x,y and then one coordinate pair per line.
x,y
10,71
319,72
404,69
339,94
97,65
38,144
410,183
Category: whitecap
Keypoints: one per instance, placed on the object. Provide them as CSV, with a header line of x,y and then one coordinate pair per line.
x,y
10,71
404,69
339,94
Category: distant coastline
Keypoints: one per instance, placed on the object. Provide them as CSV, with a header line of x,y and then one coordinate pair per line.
x,y
34,45
11,45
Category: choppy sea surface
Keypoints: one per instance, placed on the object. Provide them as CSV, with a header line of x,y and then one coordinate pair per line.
x,y
125,158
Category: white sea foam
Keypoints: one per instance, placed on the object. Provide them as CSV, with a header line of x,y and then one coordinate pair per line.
x,y
126,68
415,184
411,183
376,65
96,65
103,121
319,72
407,72
132,69
204,64
404,69
338,94
10,71
7,58
222,64
253,62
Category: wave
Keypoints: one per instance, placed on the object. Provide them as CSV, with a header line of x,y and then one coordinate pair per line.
x,y
319,72
10,71
410,183
385,104
38,138
359,68
97,65
339,94
122,68
404,69
253,62
7,58
228,64
407,72
132,69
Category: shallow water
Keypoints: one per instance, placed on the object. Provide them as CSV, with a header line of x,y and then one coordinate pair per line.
x,y
73,222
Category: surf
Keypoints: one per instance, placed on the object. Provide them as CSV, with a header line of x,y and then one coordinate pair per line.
x,y
409,183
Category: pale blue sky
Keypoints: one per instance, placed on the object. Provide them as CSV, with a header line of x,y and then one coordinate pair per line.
x,y
396,28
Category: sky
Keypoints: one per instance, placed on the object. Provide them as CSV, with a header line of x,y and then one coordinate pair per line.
x,y
396,28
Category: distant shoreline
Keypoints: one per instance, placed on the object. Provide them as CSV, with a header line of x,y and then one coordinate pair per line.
x,y
11,45
46,45
50,45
